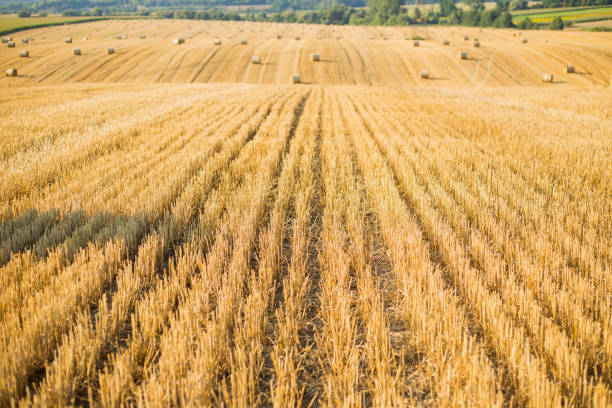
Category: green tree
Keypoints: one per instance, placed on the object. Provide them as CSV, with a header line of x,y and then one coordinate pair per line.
x,y
383,9
447,7
503,21
518,4
487,18
557,24
526,24
97,11
24,13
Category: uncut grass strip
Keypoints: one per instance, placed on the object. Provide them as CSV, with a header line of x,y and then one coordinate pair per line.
x,y
245,380
382,373
338,344
288,386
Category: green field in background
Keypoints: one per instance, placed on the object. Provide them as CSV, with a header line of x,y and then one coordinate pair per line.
x,y
12,23
567,14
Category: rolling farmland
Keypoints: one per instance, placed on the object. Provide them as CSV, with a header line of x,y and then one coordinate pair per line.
x,y
182,227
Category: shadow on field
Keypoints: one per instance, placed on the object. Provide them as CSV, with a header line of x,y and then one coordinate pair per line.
x,y
42,232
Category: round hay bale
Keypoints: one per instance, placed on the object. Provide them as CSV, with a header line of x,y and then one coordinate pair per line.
x,y
142,36
296,79
524,41
217,41
416,43
255,59
466,38
446,42
68,40
463,55
315,57
243,41
298,38
11,72
119,37
547,78
338,37
179,40
110,50
77,51
5,40
11,44
424,74
24,40
476,43
278,36
24,54
570,69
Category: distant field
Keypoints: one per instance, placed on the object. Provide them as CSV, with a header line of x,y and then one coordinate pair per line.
x,y
11,23
567,14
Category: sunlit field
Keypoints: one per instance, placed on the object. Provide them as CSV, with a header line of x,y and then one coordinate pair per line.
x,y
180,226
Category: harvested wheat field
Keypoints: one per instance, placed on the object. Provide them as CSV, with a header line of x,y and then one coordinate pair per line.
x,y
243,241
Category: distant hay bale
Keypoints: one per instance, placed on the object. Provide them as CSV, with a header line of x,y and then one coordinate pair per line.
x,y
11,44
466,38
5,40
110,50
547,78
570,69
68,40
416,43
217,41
24,40
315,57
338,37
524,41
243,41
463,55
11,72
24,54
476,43
446,42
371,37
119,37
85,38
77,51
296,79
278,36
142,36
298,38
179,40
424,74
255,59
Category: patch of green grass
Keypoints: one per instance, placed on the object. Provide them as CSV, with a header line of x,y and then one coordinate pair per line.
x,y
12,23
597,29
567,14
